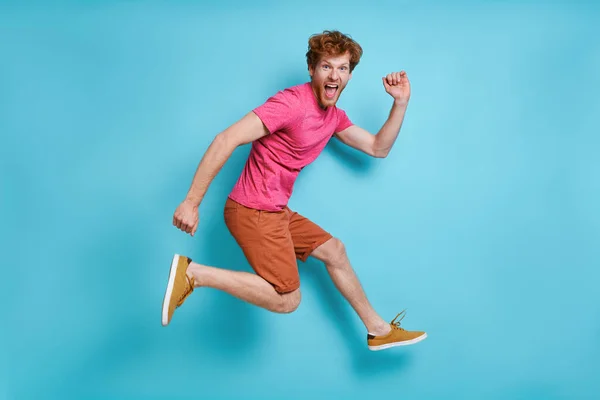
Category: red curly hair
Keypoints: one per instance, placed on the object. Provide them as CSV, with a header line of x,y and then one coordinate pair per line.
x,y
332,43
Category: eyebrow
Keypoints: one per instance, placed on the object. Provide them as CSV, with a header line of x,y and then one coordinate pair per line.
x,y
341,65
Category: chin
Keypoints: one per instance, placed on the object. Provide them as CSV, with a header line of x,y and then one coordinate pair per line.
x,y
329,102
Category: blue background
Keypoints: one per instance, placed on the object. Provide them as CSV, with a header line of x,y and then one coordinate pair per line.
x,y
483,222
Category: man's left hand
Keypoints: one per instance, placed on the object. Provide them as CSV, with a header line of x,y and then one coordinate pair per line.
x,y
397,86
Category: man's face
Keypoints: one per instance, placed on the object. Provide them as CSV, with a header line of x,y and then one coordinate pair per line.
x,y
329,78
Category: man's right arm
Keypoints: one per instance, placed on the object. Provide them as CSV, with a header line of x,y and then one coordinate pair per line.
x,y
244,131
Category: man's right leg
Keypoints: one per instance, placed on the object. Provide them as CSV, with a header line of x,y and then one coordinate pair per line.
x,y
266,242
245,286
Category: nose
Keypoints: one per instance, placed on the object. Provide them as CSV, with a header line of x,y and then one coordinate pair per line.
x,y
333,75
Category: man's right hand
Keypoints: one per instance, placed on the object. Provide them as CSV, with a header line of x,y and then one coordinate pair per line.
x,y
186,217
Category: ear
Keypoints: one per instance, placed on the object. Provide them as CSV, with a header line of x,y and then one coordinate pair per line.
x,y
311,70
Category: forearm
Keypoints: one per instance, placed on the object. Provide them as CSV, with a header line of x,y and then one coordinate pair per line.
x,y
386,137
213,160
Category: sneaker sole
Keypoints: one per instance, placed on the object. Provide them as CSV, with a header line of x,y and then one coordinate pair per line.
x,y
172,273
395,344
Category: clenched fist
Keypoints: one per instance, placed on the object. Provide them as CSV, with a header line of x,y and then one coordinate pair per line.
x,y
397,86
186,217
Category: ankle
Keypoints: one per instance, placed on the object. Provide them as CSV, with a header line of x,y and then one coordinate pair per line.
x,y
379,329
194,272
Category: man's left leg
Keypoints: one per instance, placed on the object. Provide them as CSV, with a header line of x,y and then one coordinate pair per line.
x,y
333,254
312,240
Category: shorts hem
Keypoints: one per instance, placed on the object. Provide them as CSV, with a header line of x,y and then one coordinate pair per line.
x,y
287,289
304,256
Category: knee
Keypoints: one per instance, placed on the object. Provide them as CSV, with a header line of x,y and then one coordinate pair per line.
x,y
289,302
336,253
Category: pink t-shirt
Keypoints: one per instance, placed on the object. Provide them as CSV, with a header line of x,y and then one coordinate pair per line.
x,y
299,131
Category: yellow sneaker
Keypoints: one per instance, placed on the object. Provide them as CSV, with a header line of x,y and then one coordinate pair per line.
x,y
397,337
179,287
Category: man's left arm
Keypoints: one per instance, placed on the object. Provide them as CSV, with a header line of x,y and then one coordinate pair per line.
x,y
379,145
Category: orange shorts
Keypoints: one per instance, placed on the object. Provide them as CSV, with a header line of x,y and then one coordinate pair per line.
x,y
272,241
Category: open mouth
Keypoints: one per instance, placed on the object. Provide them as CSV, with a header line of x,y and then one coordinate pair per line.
x,y
331,90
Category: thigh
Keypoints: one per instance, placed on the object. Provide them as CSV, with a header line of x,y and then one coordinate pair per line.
x,y
306,235
266,241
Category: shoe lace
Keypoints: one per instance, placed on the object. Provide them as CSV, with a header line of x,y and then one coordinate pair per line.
x,y
188,290
396,324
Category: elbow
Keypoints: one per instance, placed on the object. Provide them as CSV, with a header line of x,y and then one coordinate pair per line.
x,y
225,141
380,153
378,150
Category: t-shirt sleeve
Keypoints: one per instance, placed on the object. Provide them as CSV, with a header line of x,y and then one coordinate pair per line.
x,y
281,111
343,121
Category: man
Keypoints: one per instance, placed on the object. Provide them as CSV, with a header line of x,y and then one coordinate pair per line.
x,y
287,133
